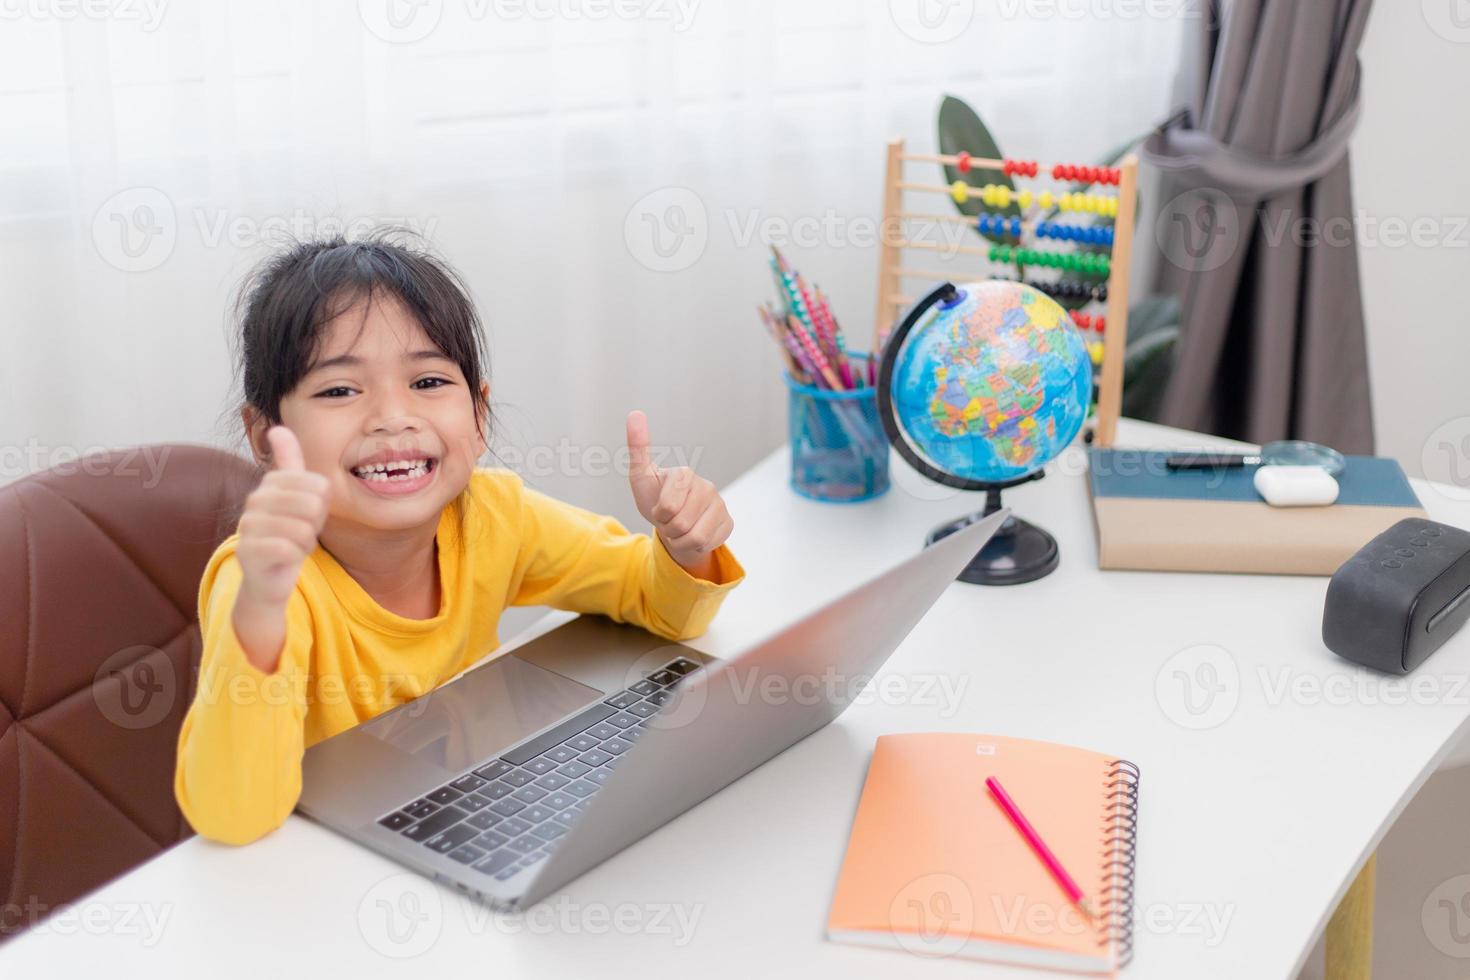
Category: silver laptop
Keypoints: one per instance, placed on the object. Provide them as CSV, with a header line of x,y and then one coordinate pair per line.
x,y
529,770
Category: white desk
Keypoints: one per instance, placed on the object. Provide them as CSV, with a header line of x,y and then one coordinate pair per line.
x,y
1250,829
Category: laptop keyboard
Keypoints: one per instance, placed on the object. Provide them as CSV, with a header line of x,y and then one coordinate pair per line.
x,y
507,814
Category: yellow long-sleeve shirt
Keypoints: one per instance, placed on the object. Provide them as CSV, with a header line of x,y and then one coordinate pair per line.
x,y
347,659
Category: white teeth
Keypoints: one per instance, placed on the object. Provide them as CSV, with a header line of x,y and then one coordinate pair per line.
x,y
379,472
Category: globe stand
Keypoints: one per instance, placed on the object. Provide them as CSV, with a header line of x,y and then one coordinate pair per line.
x,y
1016,553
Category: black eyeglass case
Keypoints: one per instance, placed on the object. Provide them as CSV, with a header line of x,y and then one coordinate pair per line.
x,y
1400,597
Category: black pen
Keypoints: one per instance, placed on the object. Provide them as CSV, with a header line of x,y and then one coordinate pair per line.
x,y
1209,461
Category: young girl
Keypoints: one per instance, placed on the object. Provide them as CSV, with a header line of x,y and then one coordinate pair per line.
x,y
374,559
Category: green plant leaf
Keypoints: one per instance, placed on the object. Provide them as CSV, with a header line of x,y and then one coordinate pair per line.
x,y
1147,364
1150,314
960,130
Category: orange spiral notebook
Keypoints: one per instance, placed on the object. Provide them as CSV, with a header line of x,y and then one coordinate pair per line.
x,y
934,866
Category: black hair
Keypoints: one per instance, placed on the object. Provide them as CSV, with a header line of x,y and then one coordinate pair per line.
x,y
284,305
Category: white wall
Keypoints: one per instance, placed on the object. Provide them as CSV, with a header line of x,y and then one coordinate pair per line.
x,y
528,147
1409,162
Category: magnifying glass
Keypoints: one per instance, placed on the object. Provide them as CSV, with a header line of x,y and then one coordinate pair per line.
x,y
1287,452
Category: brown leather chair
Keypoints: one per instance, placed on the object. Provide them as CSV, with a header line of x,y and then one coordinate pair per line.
x,y
100,561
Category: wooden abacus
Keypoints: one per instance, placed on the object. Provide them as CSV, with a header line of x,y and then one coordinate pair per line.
x,y
1101,276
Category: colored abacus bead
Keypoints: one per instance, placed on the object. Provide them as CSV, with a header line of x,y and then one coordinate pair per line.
x,y
960,191
1046,199
962,162
1056,172
1023,198
1016,227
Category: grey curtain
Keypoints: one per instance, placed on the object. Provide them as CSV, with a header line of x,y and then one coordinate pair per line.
x,y
1255,225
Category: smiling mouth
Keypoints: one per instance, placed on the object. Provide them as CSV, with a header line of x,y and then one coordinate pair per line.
x,y
399,471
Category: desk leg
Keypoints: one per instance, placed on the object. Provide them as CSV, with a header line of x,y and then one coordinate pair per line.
x,y
1350,930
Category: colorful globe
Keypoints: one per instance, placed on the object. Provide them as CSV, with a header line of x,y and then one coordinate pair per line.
x,y
993,384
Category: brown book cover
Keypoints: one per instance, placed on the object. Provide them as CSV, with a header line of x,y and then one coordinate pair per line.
x,y
1151,518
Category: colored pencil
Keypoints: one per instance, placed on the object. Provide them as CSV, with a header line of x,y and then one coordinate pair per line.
x,y
810,334
814,353
824,313
1068,883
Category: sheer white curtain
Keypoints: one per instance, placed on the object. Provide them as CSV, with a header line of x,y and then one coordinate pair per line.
x,y
607,175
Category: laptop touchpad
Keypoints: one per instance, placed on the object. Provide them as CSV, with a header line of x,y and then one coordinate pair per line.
x,y
481,714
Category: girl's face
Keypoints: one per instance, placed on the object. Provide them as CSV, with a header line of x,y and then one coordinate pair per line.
x,y
386,417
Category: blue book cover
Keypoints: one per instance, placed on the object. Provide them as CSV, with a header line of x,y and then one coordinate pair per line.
x,y
1371,481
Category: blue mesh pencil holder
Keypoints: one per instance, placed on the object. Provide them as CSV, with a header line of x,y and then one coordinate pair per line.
x,y
838,449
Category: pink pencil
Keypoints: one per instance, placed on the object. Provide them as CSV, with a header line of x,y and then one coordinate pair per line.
x,y
834,332
1068,883
814,353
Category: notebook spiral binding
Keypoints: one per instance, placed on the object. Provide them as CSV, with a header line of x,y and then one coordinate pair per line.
x,y
1119,855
